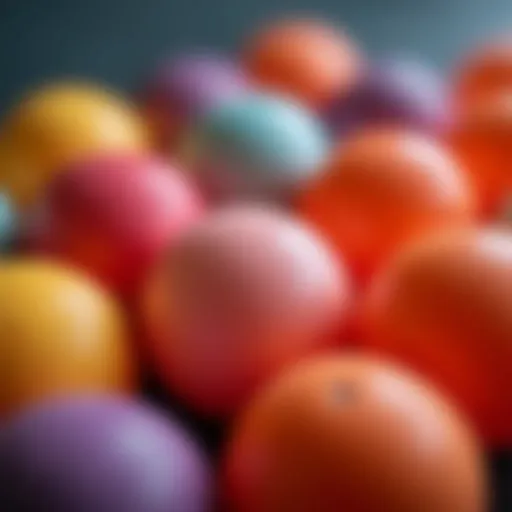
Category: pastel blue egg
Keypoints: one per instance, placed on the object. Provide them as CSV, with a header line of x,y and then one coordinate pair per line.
x,y
8,221
257,146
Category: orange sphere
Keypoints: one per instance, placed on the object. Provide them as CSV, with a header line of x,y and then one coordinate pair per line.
x,y
382,188
487,71
60,334
444,307
482,141
308,60
353,434
244,293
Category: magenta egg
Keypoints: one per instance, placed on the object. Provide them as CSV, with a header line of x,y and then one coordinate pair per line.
x,y
112,215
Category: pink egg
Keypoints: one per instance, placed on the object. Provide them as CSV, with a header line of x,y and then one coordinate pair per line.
x,y
113,214
245,293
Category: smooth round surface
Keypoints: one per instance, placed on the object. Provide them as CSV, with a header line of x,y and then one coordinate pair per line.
x,y
113,214
8,221
482,141
244,293
444,307
60,334
382,188
395,91
59,124
305,59
484,72
100,455
352,433
183,89
258,146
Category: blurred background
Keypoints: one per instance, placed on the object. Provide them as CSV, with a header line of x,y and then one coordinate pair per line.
x,y
114,40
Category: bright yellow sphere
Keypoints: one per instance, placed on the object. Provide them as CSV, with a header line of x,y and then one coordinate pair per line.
x,y
58,124
59,334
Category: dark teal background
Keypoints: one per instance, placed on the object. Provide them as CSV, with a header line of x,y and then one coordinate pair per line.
x,y
114,40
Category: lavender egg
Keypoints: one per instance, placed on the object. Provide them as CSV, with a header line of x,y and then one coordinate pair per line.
x,y
100,455
185,88
395,91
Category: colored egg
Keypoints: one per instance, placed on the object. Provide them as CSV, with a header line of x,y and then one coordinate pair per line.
x,y
60,334
242,294
258,146
183,89
482,141
485,71
93,454
113,214
444,308
395,91
357,434
308,60
382,188
8,222
56,125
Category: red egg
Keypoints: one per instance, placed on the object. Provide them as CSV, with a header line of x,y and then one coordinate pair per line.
x,y
113,214
444,307
481,139
484,72
382,188
243,294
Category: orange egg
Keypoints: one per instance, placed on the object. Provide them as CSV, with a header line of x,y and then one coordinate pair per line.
x,y
306,59
382,188
444,306
244,293
59,334
486,71
350,433
58,124
482,141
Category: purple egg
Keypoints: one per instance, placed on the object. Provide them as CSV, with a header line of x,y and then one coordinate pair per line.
x,y
100,455
182,89
397,91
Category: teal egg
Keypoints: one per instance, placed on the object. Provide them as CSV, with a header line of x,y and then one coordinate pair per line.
x,y
255,147
8,222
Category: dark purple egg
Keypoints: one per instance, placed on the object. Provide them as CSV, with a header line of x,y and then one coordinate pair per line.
x,y
182,89
100,455
395,91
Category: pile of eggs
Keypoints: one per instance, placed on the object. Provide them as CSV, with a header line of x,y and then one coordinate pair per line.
x,y
308,248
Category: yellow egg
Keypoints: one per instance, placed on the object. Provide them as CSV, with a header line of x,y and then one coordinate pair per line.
x,y
59,333
58,124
